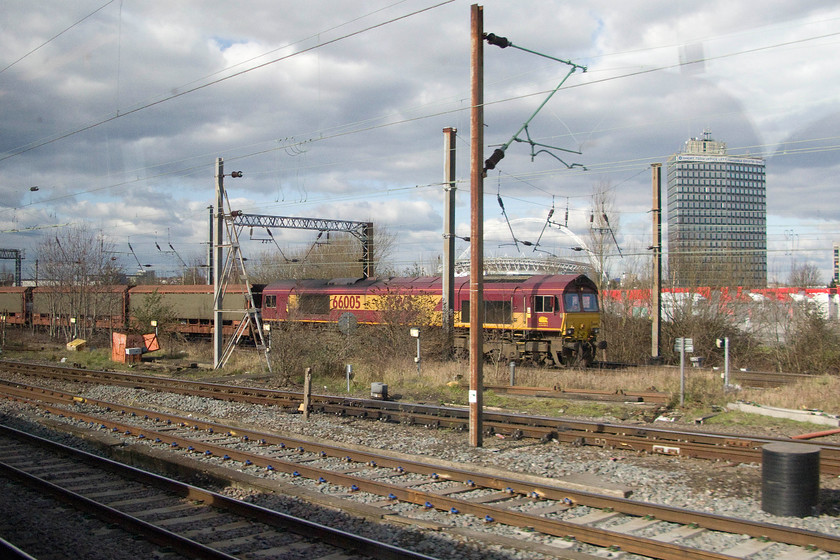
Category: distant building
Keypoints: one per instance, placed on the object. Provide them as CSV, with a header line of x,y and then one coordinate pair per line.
x,y
717,217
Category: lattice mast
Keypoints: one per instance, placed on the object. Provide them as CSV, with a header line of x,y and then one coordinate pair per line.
x,y
17,256
225,262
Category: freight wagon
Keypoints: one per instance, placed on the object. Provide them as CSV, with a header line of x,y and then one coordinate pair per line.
x,y
14,302
94,306
192,306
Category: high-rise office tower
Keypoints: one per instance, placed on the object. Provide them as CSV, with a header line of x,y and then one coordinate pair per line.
x,y
717,217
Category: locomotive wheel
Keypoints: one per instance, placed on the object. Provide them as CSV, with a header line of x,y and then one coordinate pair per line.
x,y
578,353
587,355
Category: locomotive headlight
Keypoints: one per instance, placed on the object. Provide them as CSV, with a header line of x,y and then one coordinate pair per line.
x,y
570,331
595,330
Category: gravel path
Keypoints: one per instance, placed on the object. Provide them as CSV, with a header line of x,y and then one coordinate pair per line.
x,y
724,488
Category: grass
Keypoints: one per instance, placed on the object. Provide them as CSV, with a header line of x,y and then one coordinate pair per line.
x,y
817,393
745,420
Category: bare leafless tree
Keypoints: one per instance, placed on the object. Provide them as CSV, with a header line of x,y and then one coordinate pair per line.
x,y
196,272
604,226
805,276
603,247
79,266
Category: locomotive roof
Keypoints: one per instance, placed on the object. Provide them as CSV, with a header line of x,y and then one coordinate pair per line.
x,y
556,281
99,288
184,289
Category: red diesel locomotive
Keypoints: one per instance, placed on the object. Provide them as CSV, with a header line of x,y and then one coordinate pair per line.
x,y
551,320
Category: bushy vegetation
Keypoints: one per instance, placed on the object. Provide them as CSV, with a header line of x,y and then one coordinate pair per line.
x,y
812,345
297,346
766,335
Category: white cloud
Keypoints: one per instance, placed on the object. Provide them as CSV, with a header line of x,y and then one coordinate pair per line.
x,y
347,130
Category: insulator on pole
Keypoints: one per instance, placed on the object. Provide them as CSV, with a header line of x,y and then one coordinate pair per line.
x,y
498,155
500,42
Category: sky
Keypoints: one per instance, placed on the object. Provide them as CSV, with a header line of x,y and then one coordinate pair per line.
x,y
118,110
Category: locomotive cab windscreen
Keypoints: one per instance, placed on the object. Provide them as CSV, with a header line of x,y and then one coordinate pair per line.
x,y
575,302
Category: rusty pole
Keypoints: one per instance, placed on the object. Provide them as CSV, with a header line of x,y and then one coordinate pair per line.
x,y
476,393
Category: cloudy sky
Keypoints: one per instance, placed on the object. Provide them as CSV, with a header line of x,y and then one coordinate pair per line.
x,y
118,110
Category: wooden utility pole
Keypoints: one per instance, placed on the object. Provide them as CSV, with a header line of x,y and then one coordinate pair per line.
x,y
448,307
656,289
476,392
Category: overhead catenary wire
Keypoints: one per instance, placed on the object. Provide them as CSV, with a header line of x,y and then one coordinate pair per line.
x,y
56,36
600,167
403,121
194,89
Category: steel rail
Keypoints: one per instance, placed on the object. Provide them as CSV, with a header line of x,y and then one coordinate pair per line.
x,y
774,532
11,552
648,397
309,529
730,447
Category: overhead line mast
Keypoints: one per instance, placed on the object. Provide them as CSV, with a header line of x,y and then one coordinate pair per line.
x,y
17,256
363,231
477,172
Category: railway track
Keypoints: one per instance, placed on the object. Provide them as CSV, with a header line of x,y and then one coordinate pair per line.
x,y
648,397
595,519
767,378
695,444
191,521
741,377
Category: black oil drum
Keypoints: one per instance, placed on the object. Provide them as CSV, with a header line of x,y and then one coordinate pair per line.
x,y
790,478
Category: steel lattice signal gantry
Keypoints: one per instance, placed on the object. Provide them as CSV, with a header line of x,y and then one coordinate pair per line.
x,y
17,256
363,231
